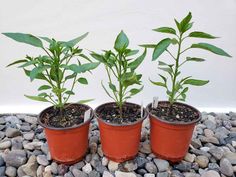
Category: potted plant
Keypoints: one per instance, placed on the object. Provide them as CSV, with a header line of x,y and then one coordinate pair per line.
x,y
120,121
65,125
172,122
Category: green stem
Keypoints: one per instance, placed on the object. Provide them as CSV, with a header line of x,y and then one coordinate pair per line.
x,y
120,87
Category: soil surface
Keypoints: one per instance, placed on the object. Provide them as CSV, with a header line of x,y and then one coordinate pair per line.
x,y
72,115
110,113
176,113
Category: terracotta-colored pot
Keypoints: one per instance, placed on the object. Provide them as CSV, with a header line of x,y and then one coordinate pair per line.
x,y
120,142
170,140
67,145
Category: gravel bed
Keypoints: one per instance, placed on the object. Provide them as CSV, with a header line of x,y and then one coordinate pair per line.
x,y
24,152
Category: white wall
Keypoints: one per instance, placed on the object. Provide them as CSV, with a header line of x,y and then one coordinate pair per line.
x,y
63,19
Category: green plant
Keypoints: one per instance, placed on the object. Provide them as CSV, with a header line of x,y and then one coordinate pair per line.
x,y
121,65
54,67
178,87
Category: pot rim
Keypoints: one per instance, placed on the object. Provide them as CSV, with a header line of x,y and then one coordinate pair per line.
x,y
176,122
65,128
120,125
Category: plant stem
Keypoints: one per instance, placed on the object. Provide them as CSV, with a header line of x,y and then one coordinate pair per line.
x,y
120,87
173,92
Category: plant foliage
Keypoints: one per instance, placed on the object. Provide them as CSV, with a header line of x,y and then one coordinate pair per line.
x,y
178,86
121,65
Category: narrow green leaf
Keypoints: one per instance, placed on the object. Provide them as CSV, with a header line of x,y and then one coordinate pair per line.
x,y
132,52
199,34
69,92
44,87
211,48
195,59
195,82
161,63
46,39
39,75
70,76
82,68
158,83
17,62
163,78
184,24
25,38
160,48
135,64
83,80
75,41
121,42
36,71
135,91
107,91
98,57
178,25
84,101
148,45
28,63
165,30
112,87
37,98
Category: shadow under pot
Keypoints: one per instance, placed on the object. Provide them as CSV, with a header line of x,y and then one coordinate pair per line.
x,y
120,137
66,132
171,129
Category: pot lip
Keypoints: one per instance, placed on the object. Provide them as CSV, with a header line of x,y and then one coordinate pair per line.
x,y
175,122
65,128
120,125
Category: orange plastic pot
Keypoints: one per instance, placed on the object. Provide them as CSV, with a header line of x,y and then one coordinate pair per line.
x,y
170,140
67,145
120,142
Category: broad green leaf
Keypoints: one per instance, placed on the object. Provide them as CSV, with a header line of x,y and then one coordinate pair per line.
x,y
98,57
28,63
112,87
158,83
135,64
84,101
25,38
43,94
165,30
17,62
44,87
46,39
37,98
199,34
185,90
56,74
121,42
82,68
148,45
36,71
39,75
131,52
211,48
128,79
75,41
195,82
135,91
83,80
174,41
160,48
195,59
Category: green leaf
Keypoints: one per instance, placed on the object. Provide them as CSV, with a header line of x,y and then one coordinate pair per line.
x,y
36,71
178,25
158,83
37,98
98,57
195,82
75,41
160,48
148,45
44,87
70,76
46,39
39,75
130,78
135,64
135,91
25,38
84,101
82,68
121,42
112,87
106,91
195,59
69,92
199,34
184,24
163,78
131,52
165,30
28,63
211,48
161,63
17,62
83,80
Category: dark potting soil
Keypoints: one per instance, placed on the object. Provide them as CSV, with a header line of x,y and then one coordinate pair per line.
x,y
110,113
176,113
72,115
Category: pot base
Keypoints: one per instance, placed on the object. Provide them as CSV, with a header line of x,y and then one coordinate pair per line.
x,y
69,162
